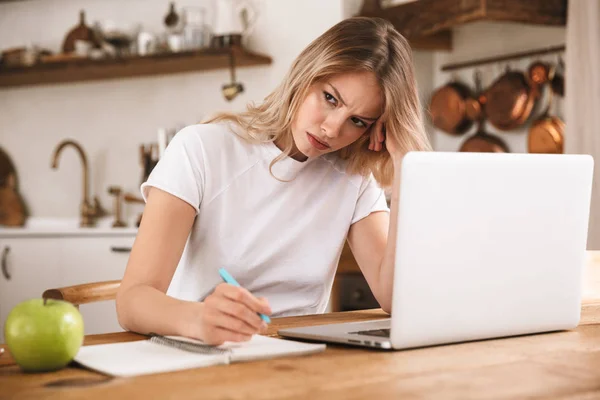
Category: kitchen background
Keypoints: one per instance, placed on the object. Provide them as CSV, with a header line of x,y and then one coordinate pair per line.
x,y
111,118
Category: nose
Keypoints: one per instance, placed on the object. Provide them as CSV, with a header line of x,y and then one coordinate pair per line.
x,y
332,125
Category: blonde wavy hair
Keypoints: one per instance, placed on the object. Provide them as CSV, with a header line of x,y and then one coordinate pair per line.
x,y
353,45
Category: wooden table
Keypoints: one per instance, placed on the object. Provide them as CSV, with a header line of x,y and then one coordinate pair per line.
x,y
562,365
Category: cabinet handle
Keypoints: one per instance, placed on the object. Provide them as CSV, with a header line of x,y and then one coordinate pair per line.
x,y
4,261
115,249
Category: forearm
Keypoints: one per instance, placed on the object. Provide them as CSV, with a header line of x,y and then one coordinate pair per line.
x,y
386,270
145,310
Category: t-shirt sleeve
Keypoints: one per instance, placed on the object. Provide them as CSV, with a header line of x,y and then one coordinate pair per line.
x,y
371,198
180,171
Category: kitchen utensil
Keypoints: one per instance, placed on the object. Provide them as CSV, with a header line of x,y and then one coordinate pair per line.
x,y
6,168
148,159
82,48
483,142
546,133
20,57
175,42
172,18
130,198
80,32
116,191
540,72
146,43
510,99
118,37
232,89
196,32
12,207
453,108
234,20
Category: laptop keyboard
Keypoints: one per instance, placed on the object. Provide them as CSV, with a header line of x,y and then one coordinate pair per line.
x,y
373,332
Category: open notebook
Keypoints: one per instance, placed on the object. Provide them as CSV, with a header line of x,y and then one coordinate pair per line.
x,y
173,353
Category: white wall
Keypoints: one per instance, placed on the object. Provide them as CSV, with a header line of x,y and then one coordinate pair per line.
x,y
112,118
488,39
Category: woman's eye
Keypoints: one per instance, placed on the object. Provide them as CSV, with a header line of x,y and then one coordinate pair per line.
x,y
329,98
358,123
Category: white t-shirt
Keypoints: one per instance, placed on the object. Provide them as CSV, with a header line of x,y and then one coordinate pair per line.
x,y
279,240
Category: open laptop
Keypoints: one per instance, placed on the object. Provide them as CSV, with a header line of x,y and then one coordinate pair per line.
x,y
489,245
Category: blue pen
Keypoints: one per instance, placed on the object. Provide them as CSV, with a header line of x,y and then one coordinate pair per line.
x,y
229,279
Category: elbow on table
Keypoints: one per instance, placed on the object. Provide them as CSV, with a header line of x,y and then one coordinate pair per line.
x,y
121,306
386,306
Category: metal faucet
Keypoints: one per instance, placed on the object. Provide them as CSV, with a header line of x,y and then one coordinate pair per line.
x,y
89,212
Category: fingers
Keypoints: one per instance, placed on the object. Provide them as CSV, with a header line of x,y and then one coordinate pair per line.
x,y
241,313
241,295
377,136
234,308
219,336
225,302
230,313
236,318
265,302
372,140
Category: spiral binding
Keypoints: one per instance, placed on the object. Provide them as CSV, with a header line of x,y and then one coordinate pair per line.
x,y
187,346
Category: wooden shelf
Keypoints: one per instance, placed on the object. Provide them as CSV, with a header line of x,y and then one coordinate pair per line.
x,y
137,66
398,15
427,24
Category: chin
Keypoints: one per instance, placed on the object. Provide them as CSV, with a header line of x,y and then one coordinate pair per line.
x,y
310,151
307,152
305,148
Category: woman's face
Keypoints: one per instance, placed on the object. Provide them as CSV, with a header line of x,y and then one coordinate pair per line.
x,y
335,113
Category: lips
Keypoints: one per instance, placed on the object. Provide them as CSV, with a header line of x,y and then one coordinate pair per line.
x,y
320,145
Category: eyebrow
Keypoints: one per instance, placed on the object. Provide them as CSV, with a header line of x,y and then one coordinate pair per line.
x,y
339,96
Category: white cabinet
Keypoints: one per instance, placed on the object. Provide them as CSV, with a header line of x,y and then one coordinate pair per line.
x,y
30,265
94,259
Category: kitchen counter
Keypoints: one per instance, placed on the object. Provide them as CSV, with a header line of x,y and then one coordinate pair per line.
x,y
42,226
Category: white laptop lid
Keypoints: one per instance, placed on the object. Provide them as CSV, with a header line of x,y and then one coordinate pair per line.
x,y
489,245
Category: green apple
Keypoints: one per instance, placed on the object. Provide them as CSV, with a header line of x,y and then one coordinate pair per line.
x,y
43,335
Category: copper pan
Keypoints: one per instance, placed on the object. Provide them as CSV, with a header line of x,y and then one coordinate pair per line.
x,y
510,99
453,108
483,142
546,133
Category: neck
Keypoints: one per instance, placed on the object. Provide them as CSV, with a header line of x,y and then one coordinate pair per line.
x,y
295,153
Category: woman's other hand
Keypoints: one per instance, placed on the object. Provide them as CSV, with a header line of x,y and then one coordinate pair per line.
x,y
380,141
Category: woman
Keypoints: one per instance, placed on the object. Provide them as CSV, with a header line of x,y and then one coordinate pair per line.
x,y
271,194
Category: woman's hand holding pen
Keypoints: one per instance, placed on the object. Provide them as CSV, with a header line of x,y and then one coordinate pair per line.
x,y
230,313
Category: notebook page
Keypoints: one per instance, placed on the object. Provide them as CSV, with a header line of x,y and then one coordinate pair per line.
x,y
264,347
142,357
